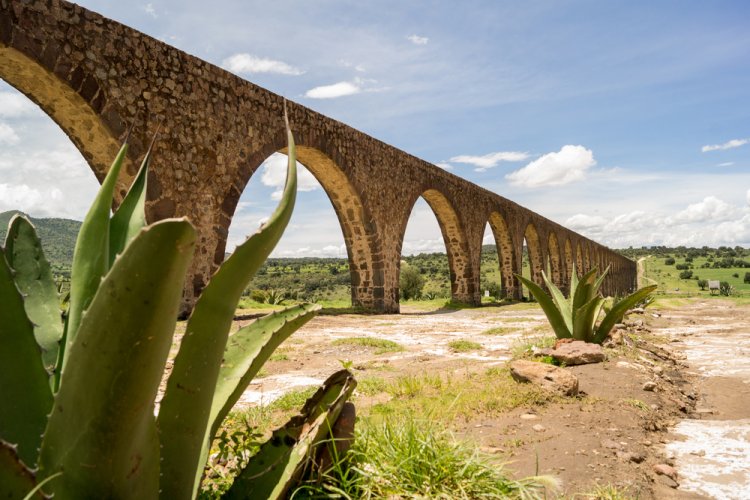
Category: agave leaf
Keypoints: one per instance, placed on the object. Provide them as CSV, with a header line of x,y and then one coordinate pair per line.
x,y
186,408
573,282
248,350
618,311
554,316
34,280
102,431
16,479
584,319
563,305
91,254
600,280
270,473
584,291
130,216
27,397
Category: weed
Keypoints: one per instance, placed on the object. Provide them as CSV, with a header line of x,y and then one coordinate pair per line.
x,y
500,330
524,347
292,400
464,345
381,346
637,403
279,356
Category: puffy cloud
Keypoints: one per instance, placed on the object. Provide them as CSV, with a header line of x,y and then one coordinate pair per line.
x,y
444,166
274,175
581,222
734,143
490,160
710,209
555,169
7,134
332,91
149,9
15,104
418,40
748,196
248,63
27,199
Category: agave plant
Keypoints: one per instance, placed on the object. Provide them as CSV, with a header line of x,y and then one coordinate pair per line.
x,y
575,317
77,406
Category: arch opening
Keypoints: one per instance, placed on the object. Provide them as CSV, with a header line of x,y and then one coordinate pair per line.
x,y
535,256
497,265
555,264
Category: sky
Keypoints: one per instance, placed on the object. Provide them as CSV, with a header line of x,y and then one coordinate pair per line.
x,y
627,121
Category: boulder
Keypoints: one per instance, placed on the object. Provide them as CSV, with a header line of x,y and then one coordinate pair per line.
x,y
549,377
578,352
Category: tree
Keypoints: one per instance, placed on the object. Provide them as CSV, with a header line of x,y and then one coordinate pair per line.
x,y
703,284
686,275
669,261
747,278
410,282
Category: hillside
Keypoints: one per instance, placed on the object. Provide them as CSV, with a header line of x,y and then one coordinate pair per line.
x,y
58,239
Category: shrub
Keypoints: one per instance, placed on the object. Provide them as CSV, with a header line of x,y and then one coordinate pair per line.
x,y
682,267
686,275
703,284
725,289
747,278
735,275
669,261
576,316
410,282
258,296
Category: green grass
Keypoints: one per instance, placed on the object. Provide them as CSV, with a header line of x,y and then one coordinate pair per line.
x,y
407,457
464,345
667,276
381,346
500,330
522,348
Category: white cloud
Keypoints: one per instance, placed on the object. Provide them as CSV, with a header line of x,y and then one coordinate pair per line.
x,y
274,175
26,198
490,160
555,169
748,196
418,40
580,222
444,166
734,143
726,164
710,209
7,134
332,91
247,63
149,9
15,104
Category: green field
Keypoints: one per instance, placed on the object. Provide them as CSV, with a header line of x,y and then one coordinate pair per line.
x,y
667,275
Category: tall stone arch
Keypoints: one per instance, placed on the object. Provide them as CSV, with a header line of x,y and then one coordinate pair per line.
x,y
556,265
505,253
536,258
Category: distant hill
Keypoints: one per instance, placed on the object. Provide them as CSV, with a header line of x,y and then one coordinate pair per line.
x,y
58,238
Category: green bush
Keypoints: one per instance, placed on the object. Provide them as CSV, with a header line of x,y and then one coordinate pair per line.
x,y
686,275
682,267
669,261
747,278
703,284
725,289
410,282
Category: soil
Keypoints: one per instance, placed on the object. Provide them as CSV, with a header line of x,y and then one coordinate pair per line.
x,y
612,434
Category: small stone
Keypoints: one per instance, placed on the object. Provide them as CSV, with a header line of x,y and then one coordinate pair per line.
x,y
529,416
539,428
667,481
699,453
546,376
658,370
608,443
577,352
666,470
630,456
649,386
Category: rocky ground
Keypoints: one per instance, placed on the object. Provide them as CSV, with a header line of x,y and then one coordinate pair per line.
x,y
615,432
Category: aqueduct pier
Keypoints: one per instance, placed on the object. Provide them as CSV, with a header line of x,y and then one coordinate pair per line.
x,y
95,77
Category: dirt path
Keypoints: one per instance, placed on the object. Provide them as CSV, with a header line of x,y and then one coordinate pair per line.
x,y
611,436
712,451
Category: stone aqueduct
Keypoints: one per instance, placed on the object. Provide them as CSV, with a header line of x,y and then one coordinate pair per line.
x,y
95,77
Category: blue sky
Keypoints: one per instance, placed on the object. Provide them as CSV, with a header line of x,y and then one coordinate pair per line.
x,y
625,120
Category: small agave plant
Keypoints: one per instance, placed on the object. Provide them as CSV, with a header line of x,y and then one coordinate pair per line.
x,y
78,396
575,317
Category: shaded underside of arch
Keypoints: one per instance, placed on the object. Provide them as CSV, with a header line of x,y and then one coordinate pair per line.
x,y
456,244
568,259
535,254
553,250
579,259
505,253
56,95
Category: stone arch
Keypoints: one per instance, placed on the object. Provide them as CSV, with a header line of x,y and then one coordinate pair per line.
x,y
72,99
553,249
579,259
505,253
534,248
587,257
358,228
456,245
568,259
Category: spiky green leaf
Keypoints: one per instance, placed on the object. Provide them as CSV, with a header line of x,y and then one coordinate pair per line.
x,y
130,216
584,291
585,317
554,316
563,304
184,416
618,311
270,473
102,431
247,351
26,394
34,280
91,254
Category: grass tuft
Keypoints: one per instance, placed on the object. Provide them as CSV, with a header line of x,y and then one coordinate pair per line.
x,y
381,346
500,330
464,345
